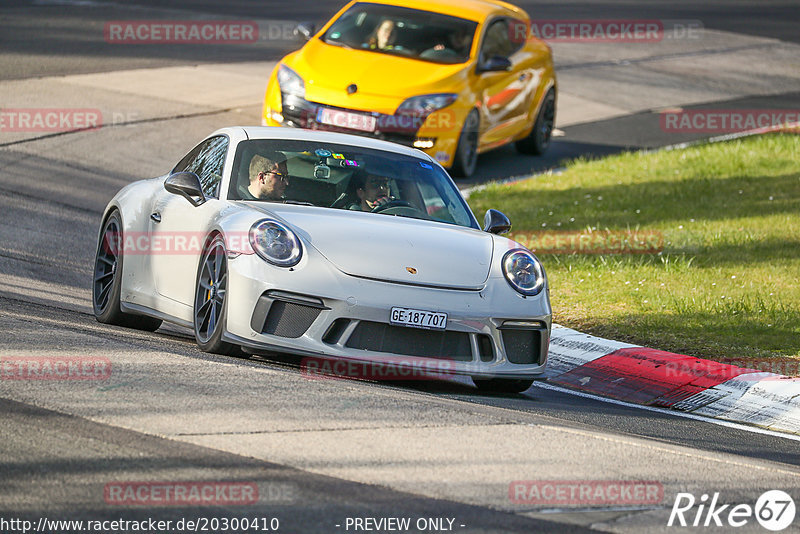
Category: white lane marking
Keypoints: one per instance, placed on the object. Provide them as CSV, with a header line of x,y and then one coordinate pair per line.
x,y
666,411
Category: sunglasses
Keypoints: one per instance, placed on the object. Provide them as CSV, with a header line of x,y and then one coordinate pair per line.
x,y
378,183
282,176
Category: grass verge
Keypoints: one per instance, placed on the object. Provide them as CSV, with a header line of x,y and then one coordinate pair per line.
x,y
720,276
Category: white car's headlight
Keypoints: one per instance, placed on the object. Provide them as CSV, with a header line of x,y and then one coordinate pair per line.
x,y
291,82
425,104
523,271
276,243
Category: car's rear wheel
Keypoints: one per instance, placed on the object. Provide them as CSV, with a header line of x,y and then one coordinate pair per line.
x,y
502,385
466,157
538,140
107,280
210,300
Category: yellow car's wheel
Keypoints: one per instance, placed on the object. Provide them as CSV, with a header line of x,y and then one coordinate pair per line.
x,y
538,140
466,157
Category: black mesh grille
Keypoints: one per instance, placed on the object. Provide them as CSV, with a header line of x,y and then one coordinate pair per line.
x,y
523,346
287,319
380,337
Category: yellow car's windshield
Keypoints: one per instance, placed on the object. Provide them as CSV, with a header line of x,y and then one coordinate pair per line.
x,y
403,32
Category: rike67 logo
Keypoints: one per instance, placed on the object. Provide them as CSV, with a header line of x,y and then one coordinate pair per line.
x,y
774,510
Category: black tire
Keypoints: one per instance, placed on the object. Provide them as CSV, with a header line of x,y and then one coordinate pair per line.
x,y
107,283
210,303
466,158
502,385
538,141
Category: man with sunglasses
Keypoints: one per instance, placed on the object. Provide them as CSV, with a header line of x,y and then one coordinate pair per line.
x,y
268,177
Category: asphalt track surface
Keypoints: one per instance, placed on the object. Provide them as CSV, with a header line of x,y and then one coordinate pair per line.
x,y
174,413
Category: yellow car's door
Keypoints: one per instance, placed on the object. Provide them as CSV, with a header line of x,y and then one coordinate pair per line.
x,y
502,85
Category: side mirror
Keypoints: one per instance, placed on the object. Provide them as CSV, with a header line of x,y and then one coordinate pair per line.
x,y
187,185
495,222
495,64
305,30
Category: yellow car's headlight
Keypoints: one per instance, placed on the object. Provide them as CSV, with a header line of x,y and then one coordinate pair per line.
x,y
290,82
426,104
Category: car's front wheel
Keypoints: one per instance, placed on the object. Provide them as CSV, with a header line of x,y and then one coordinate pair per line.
x,y
107,280
210,300
502,385
466,158
538,141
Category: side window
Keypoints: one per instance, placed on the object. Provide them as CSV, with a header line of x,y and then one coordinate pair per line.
x,y
497,41
206,161
434,204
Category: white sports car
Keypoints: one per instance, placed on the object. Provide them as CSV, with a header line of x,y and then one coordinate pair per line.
x,y
324,245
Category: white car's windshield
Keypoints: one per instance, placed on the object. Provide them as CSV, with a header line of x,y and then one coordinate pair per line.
x,y
403,32
345,177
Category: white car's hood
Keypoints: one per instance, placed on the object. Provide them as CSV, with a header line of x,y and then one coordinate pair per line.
x,y
395,249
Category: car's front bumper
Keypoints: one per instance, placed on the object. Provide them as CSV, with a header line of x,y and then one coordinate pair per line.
x,y
320,311
435,134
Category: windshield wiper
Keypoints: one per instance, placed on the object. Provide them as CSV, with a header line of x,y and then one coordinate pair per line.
x,y
298,202
334,43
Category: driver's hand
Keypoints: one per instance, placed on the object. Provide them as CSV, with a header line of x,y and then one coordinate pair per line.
x,y
380,201
383,200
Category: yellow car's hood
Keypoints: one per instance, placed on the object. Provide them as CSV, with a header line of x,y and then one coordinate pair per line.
x,y
383,80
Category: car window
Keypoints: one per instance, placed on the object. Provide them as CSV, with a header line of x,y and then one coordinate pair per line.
x,y
346,177
497,40
206,161
402,31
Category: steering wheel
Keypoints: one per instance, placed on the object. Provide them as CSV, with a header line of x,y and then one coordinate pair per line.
x,y
392,204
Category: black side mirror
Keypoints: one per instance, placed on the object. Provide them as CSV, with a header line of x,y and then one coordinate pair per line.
x,y
187,185
495,64
305,30
495,222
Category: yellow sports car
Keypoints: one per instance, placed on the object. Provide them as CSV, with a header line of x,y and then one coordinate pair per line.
x,y
451,77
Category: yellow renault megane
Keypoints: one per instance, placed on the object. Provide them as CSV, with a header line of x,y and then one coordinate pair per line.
x,y
452,78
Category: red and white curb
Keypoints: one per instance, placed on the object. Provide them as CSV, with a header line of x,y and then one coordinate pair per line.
x,y
631,374
649,377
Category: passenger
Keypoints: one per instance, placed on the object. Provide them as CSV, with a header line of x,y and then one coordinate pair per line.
x,y
455,44
268,178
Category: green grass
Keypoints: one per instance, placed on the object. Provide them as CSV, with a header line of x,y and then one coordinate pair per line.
x,y
727,282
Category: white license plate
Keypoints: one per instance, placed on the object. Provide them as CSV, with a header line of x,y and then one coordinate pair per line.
x,y
418,318
345,119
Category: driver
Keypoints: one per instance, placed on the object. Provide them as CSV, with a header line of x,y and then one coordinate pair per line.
x,y
268,178
383,36
372,190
